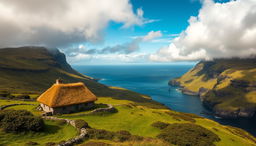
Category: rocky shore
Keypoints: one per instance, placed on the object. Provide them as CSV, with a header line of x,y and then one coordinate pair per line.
x,y
245,112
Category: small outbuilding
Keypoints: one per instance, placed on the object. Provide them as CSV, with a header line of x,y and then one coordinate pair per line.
x,y
66,98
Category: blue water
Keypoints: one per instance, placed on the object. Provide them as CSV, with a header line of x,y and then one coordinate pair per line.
x,y
153,80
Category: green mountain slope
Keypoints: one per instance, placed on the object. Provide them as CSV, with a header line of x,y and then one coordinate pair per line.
x,y
227,86
34,68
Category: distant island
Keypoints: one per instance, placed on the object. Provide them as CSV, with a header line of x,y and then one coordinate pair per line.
x,y
225,86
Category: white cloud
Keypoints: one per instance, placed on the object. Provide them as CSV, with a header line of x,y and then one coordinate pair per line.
x,y
140,12
61,22
152,35
173,35
107,58
162,40
220,30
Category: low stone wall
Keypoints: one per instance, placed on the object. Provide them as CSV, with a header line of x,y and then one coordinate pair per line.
x,y
15,99
83,131
110,108
15,104
72,141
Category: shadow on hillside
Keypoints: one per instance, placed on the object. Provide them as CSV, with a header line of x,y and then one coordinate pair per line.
x,y
232,97
51,129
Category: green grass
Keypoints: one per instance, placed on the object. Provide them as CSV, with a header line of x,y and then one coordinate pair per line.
x,y
31,108
227,138
52,133
138,120
145,142
6,102
134,118
188,134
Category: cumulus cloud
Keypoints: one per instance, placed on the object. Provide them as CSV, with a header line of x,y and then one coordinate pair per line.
x,y
57,23
220,30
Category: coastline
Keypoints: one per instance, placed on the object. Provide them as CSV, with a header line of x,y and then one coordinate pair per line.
x,y
225,114
146,82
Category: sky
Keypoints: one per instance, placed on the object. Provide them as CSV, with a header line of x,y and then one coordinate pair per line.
x,y
132,31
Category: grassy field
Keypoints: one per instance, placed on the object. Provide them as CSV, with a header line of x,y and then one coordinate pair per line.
x,y
52,133
138,120
127,118
146,142
31,108
134,118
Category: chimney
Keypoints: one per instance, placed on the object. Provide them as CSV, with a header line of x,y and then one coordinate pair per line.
x,y
58,81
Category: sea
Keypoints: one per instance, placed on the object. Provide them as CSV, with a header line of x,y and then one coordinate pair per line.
x,y
152,80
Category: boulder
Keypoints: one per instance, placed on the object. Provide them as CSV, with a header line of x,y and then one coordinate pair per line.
x,y
174,83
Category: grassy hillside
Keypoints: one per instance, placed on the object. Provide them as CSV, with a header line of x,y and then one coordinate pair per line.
x,y
34,69
134,118
228,86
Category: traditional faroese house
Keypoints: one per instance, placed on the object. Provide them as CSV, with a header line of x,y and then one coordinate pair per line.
x,y
66,98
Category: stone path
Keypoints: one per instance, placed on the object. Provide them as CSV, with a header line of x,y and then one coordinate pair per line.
x,y
72,141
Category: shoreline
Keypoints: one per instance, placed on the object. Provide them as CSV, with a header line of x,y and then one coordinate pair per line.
x,y
210,106
226,120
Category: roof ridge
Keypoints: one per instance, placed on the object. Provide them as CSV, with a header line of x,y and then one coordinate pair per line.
x,y
56,93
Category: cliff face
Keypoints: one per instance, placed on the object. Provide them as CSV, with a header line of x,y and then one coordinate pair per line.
x,y
226,86
34,69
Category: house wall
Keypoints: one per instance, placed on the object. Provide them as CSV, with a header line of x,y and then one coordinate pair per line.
x,y
46,108
68,109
